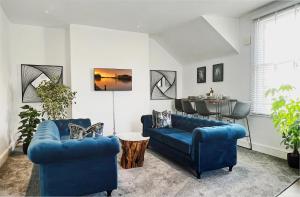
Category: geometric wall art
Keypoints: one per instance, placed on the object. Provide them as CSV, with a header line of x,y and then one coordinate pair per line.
x,y
33,75
163,84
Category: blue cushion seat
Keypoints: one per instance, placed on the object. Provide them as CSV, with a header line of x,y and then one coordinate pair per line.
x,y
176,138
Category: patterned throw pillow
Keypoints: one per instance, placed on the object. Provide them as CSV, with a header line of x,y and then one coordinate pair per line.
x,y
161,119
79,132
76,131
95,130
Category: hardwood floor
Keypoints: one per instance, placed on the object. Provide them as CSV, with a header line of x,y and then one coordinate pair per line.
x,y
292,191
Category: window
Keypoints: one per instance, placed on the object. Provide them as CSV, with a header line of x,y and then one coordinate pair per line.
x,y
276,56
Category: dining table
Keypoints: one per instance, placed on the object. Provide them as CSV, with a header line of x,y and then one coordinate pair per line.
x,y
218,102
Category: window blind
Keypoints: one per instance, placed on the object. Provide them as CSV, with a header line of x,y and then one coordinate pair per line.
x,y
276,57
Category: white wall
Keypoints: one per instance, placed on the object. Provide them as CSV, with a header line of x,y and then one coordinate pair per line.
x,y
236,84
5,90
160,59
93,47
34,45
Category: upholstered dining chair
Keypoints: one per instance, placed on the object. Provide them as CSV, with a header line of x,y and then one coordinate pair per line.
x,y
178,106
187,107
203,110
241,111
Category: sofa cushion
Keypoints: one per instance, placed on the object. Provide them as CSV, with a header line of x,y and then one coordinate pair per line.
x,y
175,138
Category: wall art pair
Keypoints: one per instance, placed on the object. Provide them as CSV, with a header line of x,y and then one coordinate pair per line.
x,y
217,72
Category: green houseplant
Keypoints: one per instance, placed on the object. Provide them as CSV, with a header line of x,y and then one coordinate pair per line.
x,y
56,98
30,118
286,118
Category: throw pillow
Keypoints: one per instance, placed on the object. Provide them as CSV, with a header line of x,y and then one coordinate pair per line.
x,y
95,130
161,119
76,131
79,132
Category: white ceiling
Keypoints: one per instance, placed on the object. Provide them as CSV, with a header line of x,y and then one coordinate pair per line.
x,y
149,16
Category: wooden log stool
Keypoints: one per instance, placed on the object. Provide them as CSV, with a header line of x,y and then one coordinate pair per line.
x,y
134,146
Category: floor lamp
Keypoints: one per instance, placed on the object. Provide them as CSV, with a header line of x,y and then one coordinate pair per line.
x,y
114,116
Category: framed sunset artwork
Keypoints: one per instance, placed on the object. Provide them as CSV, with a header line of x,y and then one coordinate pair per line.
x,y
111,79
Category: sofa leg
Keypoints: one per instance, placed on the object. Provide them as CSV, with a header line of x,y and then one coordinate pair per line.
x,y
198,175
230,168
109,192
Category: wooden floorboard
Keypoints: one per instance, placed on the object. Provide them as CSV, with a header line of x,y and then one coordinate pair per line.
x,y
292,191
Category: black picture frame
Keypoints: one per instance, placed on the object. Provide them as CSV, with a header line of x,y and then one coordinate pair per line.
x,y
156,77
201,74
218,72
31,72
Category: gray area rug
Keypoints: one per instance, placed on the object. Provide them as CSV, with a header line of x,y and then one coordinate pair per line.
x,y
256,174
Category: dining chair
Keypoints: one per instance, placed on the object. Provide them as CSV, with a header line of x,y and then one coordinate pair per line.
x,y
178,106
241,111
187,107
202,109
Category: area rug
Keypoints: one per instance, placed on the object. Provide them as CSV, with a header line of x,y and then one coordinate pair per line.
x,y
256,174
15,174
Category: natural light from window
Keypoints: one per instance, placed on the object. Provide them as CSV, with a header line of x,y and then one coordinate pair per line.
x,y
276,56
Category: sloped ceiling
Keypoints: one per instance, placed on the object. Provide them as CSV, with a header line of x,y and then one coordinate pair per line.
x,y
195,41
227,27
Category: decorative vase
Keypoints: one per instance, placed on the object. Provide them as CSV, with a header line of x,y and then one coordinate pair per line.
x,y
25,148
293,160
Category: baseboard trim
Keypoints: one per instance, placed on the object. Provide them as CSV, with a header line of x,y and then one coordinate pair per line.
x,y
4,156
264,149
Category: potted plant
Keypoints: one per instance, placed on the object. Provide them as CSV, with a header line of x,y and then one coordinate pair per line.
x,y
56,98
30,118
286,118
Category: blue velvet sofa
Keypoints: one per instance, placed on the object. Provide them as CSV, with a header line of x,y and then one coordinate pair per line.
x,y
70,167
202,144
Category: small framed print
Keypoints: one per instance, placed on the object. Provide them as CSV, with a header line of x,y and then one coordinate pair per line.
x,y
201,74
218,72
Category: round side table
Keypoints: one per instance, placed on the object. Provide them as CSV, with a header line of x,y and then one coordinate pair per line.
x,y
133,147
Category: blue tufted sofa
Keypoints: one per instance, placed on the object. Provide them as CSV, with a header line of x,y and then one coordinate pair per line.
x,y
70,167
200,143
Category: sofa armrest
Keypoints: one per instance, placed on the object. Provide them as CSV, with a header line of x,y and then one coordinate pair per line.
x,y
147,121
225,132
54,151
215,147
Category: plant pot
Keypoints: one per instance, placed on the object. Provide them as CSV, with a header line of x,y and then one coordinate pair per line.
x,y
293,160
25,148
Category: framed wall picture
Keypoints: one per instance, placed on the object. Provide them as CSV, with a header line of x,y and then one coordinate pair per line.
x,y
163,84
218,72
201,74
112,79
33,75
